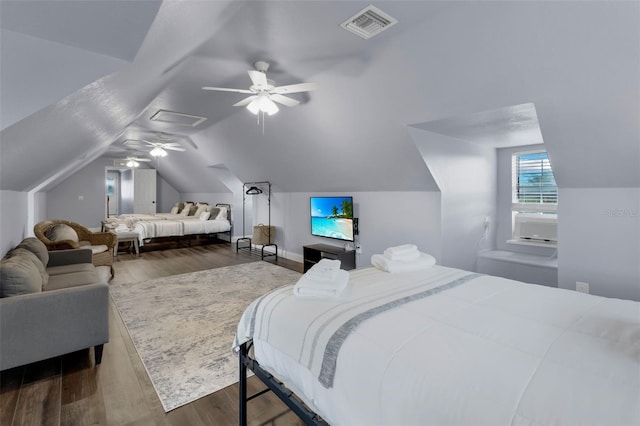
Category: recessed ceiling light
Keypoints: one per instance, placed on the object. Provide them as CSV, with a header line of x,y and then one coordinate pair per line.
x,y
177,118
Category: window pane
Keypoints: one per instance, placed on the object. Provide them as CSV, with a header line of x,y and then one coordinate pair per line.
x,y
535,181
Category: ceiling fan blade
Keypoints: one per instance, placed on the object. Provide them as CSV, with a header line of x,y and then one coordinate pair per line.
x,y
226,89
295,88
245,101
284,100
258,78
141,159
174,148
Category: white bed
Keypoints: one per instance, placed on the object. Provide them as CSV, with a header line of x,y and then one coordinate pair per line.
x,y
162,225
447,347
148,229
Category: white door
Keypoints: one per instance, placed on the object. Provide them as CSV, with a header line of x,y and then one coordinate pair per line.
x,y
144,191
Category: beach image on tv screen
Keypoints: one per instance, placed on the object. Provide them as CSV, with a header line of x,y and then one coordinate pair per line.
x,y
332,217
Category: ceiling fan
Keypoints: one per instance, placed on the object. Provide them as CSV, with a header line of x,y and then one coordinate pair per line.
x,y
264,93
160,146
130,161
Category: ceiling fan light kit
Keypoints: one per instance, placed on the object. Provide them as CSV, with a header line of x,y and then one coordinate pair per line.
x,y
263,103
263,92
158,152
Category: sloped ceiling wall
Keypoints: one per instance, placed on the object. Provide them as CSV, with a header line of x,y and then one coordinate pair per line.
x,y
578,62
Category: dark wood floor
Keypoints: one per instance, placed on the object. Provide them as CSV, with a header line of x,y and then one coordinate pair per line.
x,y
70,390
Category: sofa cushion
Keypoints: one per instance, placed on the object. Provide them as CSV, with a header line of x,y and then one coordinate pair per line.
x,y
36,247
61,232
95,249
19,275
72,279
67,269
22,252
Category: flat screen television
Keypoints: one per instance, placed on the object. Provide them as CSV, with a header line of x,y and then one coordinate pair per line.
x,y
332,217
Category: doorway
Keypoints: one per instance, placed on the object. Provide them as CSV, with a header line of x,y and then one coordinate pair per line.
x,y
113,193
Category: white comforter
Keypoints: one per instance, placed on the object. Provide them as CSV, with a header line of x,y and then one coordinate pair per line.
x,y
177,228
484,351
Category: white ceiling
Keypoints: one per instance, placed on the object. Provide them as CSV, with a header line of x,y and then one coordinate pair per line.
x,y
78,78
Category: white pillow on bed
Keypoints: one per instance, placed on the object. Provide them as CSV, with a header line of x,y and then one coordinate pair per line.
x,y
185,210
201,209
204,216
223,213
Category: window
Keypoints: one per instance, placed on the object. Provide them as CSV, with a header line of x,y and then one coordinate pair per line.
x,y
534,201
534,187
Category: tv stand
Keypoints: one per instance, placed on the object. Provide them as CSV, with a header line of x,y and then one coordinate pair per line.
x,y
312,254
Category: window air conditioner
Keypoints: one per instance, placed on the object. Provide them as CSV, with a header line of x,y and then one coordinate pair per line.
x,y
536,227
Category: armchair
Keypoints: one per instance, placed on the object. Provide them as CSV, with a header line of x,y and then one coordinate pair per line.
x,y
63,234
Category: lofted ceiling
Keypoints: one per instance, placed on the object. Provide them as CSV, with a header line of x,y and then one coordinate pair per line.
x,y
79,78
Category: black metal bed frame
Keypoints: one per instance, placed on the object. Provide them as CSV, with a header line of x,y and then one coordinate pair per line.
x,y
273,384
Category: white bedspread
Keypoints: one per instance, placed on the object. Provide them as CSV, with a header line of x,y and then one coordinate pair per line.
x,y
147,229
192,227
485,351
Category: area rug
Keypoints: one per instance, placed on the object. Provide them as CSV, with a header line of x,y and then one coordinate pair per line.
x,y
183,325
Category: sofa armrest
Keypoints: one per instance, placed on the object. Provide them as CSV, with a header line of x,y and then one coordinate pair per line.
x,y
69,257
43,325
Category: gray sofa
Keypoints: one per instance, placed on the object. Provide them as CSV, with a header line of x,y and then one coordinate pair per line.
x,y
51,303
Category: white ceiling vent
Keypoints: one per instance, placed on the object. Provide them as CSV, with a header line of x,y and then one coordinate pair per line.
x,y
369,22
177,118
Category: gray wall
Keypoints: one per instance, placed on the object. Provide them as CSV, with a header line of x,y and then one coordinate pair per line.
x,y
599,240
385,219
466,175
167,195
63,201
81,197
13,220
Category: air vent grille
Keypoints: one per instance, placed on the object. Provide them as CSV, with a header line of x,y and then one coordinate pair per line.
x,y
369,22
177,118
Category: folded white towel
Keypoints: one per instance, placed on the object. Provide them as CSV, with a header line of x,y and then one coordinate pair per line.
x,y
308,287
325,270
404,256
402,252
424,261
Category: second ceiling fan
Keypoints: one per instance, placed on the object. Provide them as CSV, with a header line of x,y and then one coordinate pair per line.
x,y
264,93
161,144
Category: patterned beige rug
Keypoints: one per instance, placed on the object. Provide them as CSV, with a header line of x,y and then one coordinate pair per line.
x,y
183,326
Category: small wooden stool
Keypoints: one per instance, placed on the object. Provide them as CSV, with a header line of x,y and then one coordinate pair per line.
x,y
130,237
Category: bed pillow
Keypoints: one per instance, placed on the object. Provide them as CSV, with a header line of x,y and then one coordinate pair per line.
x,y
61,232
204,215
193,210
223,214
201,208
176,208
186,209
213,213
